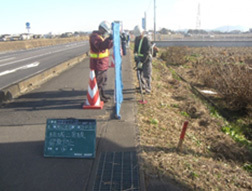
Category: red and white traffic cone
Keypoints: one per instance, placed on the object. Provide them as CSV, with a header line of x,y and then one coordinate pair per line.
x,y
93,100
112,63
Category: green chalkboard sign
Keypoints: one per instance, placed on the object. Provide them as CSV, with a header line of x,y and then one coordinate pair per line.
x,y
71,138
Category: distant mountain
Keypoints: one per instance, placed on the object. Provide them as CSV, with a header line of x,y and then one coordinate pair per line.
x,y
231,28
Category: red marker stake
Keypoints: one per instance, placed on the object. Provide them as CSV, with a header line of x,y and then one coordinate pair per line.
x,y
182,135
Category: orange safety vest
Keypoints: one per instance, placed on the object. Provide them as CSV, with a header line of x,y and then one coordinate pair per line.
x,y
99,55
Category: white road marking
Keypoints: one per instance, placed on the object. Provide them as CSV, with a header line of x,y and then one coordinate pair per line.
x,y
40,55
7,59
34,64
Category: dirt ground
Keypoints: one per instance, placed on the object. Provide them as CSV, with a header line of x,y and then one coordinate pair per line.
x,y
209,160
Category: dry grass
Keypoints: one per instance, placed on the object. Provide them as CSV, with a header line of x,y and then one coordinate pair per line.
x,y
227,70
211,160
232,81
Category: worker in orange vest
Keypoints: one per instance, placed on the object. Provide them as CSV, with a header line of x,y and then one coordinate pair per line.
x,y
99,55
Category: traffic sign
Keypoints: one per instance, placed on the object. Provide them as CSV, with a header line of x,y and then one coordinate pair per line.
x,y
28,26
144,23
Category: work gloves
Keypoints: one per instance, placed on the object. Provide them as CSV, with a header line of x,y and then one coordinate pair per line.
x,y
137,59
139,65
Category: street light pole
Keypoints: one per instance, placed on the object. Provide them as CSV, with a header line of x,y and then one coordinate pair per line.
x,y
154,20
145,20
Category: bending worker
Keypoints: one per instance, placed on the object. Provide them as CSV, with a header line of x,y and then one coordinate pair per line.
x,y
143,58
99,56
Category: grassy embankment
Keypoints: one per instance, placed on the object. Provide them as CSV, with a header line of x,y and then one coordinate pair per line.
x,y
215,156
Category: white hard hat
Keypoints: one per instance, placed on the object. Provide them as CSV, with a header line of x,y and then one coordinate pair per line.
x,y
106,26
138,30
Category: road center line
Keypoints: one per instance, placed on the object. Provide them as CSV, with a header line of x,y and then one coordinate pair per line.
x,y
7,59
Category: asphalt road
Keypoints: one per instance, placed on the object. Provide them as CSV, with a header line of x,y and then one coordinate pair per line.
x,y
19,65
22,132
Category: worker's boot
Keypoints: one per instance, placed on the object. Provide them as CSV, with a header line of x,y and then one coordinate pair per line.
x,y
103,99
105,96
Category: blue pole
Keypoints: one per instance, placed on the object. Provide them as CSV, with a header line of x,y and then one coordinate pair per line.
x,y
118,68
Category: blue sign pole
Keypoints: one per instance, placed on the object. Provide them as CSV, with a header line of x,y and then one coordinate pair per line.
x,y
118,68
28,26
144,23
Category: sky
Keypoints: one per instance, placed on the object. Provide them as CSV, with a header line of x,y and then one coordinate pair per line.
x,y
58,16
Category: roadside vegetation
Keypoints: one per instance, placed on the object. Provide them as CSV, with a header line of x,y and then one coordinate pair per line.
x,y
217,150
35,43
227,71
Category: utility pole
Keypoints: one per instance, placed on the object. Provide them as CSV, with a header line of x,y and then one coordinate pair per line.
x,y
144,22
198,22
154,20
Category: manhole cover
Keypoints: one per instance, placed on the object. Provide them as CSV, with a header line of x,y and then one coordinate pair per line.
x,y
117,171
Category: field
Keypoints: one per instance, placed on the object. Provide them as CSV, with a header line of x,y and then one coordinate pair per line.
x,y
216,152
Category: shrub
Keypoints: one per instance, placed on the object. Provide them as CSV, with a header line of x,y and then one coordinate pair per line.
x,y
175,55
227,70
232,81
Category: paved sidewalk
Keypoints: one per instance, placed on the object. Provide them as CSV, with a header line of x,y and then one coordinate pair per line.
x,y
22,133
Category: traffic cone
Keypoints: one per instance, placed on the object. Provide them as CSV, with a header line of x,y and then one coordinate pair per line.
x,y
112,63
93,98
